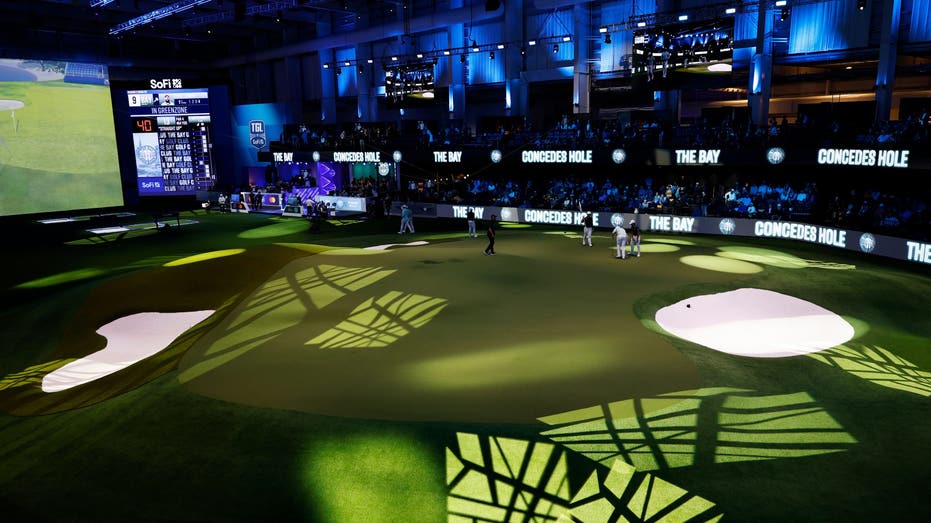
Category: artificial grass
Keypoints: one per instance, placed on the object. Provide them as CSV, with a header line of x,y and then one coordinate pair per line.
x,y
503,351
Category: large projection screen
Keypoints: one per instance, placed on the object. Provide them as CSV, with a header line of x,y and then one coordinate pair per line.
x,y
57,139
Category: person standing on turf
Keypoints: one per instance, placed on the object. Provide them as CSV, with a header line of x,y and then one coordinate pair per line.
x,y
407,220
588,225
490,250
634,237
470,217
621,236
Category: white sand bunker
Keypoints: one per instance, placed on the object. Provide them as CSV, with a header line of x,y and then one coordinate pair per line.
x,y
389,245
129,340
8,105
756,323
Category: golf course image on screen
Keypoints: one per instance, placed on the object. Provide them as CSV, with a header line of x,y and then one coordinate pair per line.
x,y
57,141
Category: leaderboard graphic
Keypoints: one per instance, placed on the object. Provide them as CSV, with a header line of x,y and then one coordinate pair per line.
x,y
172,139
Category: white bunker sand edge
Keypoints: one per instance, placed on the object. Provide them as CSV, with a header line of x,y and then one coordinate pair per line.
x,y
756,323
9,105
130,339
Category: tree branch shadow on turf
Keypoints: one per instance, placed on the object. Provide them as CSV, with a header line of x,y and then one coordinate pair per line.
x,y
878,366
503,479
703,427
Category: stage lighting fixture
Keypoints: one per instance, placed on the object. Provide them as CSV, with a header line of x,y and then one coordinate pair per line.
x,y
566,38
445,53
278,16
783,14
491,55
607,38
462,58
555,48
394,58
641,24
861,5
730,10
532,42
603,30
361,69
370,61
523,51
339,70
326,66
346,63
500,46
683,18
475,49
419,55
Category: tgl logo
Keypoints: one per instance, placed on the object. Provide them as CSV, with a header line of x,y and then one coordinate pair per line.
x,y
165,83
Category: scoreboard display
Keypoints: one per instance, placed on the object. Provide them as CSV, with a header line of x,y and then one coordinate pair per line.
x,y
172,141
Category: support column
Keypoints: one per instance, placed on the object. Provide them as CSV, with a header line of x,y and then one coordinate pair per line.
x,y
367,101
327,86
667,105
761,67
888,45
457,98
514,102
581,76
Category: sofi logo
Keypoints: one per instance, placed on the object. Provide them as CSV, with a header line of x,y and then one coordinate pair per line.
x,y
165,83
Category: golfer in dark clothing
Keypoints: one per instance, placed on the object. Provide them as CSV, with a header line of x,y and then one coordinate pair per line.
x,y
490,250
634,234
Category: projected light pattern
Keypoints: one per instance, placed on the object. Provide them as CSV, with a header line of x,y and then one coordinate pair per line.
x,y
717,264
755,322
708,426
879,366
389,245
30,376
503,479
130,340
204,257
381,322
287,301
61,278
394,476
776,258
494,479
629,495
321,285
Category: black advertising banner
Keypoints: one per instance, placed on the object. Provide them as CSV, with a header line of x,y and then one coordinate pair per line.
x,y
863,242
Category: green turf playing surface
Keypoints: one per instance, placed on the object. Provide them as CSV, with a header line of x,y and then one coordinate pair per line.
x,y
61,154
432,383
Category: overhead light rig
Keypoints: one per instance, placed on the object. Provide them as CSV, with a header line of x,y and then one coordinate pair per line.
x,y
158,14
472,48
229,15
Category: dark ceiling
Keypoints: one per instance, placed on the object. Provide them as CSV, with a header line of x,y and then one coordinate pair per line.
x,y
72,29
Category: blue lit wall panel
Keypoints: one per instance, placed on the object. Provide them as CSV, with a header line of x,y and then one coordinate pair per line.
x,y
615,56
431,43
541,26
274,116
920,22
482,69
828,26
346,81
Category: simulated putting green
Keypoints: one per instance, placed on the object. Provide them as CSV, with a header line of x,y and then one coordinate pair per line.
x,y
430,383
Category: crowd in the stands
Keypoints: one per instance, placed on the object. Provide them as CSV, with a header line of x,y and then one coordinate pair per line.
x,y
574,132
863,208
